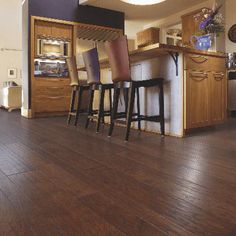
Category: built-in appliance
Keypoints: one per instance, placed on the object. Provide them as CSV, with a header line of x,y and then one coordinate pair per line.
x,y
53,48
232,90
50,68
231,65
231,61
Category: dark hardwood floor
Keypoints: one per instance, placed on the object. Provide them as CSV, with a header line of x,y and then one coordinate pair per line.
x,y
59,180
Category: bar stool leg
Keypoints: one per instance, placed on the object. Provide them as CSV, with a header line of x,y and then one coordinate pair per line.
x,y
72,104
138,109
161,106
110,100
126,98
80,93
101,107
90,107
130,110
114,109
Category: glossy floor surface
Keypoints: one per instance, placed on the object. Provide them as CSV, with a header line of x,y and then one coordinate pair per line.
x,y
59,180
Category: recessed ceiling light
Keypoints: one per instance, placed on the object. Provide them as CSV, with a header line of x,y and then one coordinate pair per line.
x,y
143,2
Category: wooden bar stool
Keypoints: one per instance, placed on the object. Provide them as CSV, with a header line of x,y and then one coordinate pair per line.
x,y
118,56
78,87
91,61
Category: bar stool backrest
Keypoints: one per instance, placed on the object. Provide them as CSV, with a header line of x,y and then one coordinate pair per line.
x,y
118,55
92,66
72,68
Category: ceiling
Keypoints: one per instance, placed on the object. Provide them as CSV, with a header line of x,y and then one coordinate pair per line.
x,y
144,13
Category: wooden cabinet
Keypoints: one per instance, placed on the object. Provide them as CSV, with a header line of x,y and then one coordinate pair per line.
x,y
205,91
52,104
43,28
197,99
61,31
218,97
51,95
148,37
53,30
189,27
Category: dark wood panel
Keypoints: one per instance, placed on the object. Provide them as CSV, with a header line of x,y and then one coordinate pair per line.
x,y
70,10
60,180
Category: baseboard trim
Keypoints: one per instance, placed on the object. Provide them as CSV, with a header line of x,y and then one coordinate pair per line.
x,y
27,113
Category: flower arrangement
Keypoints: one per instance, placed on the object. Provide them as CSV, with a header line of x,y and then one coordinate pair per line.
x,y
210,21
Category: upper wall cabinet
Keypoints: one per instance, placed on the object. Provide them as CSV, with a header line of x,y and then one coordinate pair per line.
x,y
43,28
51,29
189,27
62,31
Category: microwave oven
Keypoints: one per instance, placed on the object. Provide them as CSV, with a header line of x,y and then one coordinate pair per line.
x,y
53,48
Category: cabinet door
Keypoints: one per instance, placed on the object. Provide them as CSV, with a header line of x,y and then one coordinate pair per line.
x,y
218,97
52,104
197,99
43,28
62,31
189,27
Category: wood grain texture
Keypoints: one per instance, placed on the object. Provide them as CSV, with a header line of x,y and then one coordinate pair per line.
x,y
189,27
60,180
49,95
206,91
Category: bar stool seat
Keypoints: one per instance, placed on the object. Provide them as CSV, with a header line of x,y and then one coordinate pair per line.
x,y
118,56
91,61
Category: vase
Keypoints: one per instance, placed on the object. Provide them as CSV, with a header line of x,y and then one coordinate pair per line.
x,y
203,42
213,43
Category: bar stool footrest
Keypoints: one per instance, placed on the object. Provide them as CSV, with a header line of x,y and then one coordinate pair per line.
x,y
148,118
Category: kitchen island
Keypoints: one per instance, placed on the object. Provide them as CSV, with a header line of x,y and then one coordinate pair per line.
x,y
195,86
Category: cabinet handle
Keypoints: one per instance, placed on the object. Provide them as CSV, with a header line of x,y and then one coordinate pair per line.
x,y
218,76
54,79
194,59
56,98
198,76
49,88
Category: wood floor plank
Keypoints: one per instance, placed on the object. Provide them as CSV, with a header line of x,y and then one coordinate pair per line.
x,y
61,180
121,217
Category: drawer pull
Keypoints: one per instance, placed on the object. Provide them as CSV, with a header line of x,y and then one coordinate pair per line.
x,y
198,76
195,59
54,88
55,98
52,98
218,76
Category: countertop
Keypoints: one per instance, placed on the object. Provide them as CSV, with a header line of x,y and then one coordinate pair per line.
x,y
157,50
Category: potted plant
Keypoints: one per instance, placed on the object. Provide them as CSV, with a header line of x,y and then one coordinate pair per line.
x,y
211,24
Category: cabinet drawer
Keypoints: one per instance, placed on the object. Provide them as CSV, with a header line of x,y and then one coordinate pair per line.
x,y
52,91
196,62
52,104
204,63
218,64
51,82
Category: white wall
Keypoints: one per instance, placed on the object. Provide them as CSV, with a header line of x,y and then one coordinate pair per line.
x,y
229,21
25,58
132,27
176,19
10,38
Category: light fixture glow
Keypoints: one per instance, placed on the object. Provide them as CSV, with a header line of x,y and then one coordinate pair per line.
x,y
143,2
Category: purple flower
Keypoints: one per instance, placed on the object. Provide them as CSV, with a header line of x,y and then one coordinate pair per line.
x,y
205,23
